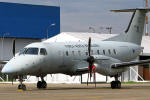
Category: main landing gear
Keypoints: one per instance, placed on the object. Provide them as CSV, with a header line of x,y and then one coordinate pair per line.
x,y
21,85
116,84
41,84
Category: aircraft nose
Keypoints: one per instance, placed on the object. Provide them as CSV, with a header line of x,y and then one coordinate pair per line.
x,y
19,65
11,67
7,69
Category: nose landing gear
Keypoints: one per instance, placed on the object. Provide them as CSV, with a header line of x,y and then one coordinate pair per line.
x,y
41,84
21,85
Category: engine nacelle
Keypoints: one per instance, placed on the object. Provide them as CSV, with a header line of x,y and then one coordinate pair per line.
x,y
103,66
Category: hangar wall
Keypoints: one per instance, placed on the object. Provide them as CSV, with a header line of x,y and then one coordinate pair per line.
x,y
28,21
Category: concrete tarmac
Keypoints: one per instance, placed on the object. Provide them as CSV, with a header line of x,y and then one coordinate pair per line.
x,y
76,92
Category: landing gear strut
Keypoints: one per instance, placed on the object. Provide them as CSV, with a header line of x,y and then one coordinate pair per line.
x,y
41,84
116,84
21,85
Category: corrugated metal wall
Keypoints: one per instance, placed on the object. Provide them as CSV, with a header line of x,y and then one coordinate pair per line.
x,y
28,21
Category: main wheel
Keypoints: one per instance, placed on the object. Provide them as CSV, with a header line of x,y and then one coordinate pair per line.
x,y
44,84
39,84
22,86
115,84
118,84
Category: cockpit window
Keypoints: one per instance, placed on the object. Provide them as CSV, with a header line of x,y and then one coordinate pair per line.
x,y
32,51
43,51
22,51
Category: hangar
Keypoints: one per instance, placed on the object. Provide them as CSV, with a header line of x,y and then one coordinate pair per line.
x,y
26,23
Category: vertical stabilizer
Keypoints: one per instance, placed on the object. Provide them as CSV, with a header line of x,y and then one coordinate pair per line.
x,y
135,28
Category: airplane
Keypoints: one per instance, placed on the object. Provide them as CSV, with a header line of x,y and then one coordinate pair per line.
x,y
109,57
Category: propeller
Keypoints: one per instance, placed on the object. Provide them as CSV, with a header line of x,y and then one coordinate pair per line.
x,y
91,61
14,46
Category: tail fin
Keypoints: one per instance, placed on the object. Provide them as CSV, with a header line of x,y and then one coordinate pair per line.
x,y
135,28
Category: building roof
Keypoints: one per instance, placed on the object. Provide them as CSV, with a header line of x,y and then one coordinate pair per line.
x,y
78,36
83,36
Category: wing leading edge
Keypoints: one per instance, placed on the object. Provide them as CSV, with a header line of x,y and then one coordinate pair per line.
x,y
128,64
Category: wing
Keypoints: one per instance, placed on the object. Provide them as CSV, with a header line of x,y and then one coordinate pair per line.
x,y
80,67
96,57
128,64
3,62
82,70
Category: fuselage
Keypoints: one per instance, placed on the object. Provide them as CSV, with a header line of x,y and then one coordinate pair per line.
x,y
59,57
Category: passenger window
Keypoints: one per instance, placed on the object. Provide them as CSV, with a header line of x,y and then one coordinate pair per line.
x,y
133,51
86,53
43,51
73,53
32,51
98,52
104,52
109,51
67,54
115,52
79,52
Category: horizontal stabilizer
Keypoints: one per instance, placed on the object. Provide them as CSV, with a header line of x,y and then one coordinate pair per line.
x,y
132,10
129,64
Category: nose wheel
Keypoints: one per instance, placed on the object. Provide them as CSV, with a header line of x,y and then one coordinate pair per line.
x,y
41,84
21,86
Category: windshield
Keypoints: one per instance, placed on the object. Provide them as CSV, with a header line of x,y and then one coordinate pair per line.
x,y
22,51
32,51
43,51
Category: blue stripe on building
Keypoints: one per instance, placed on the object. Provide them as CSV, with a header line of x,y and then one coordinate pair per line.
x,y
28,21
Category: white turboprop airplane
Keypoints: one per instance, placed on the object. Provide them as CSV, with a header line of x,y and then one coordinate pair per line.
x,y
110,57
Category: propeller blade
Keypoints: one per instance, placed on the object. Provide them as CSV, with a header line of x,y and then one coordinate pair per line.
x,y
89,46
91,66
94,79
88,79
90,69
14,43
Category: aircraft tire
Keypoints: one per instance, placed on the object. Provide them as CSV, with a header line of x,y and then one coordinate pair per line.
x,y
22,86
39,84
118,83
44,85
115,84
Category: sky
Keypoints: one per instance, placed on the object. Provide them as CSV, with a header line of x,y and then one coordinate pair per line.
x,y
79,15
